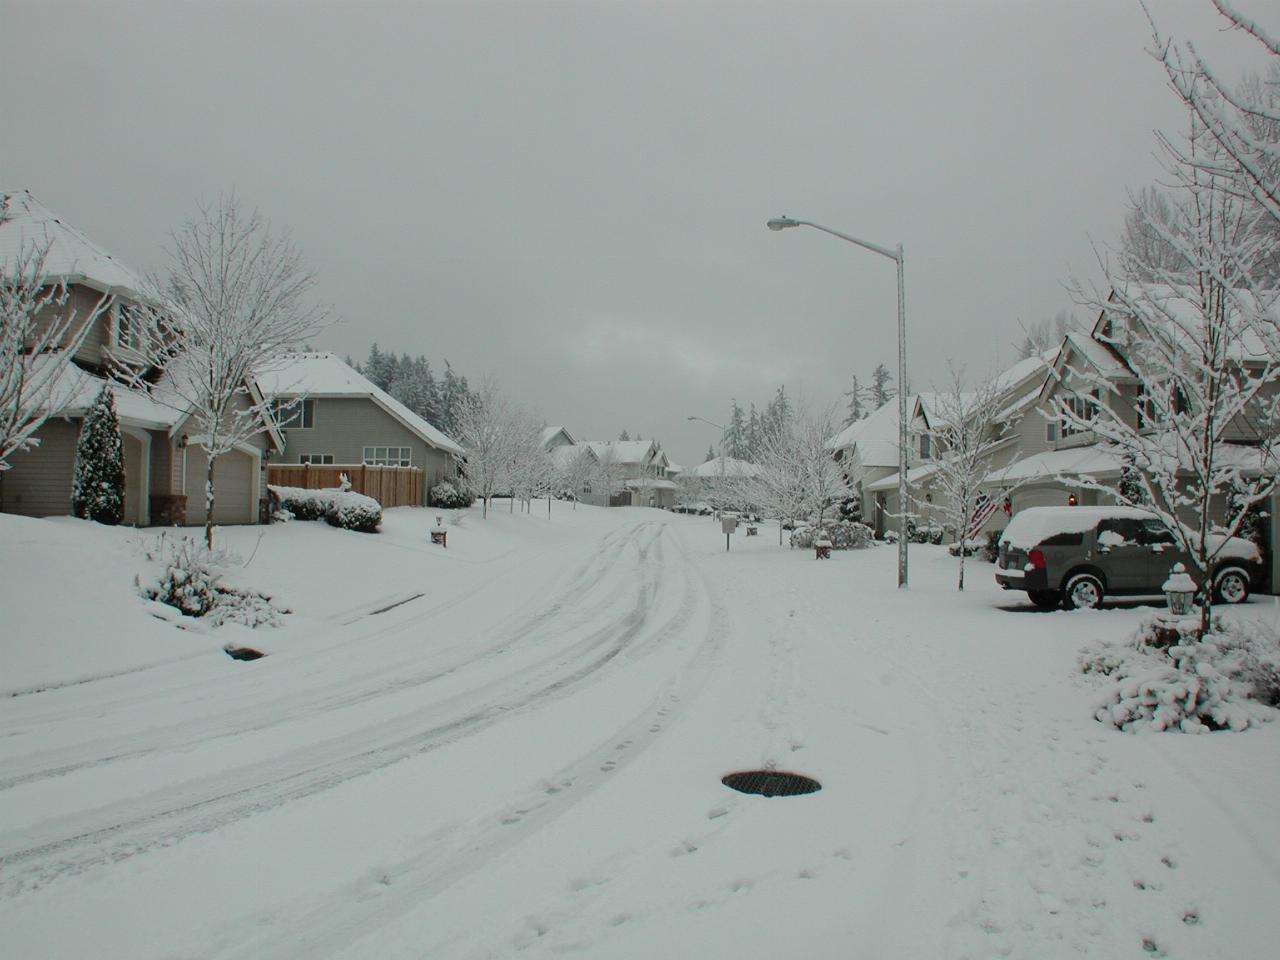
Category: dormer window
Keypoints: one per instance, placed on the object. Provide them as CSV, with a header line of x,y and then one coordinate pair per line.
x,y
1082,408
127,326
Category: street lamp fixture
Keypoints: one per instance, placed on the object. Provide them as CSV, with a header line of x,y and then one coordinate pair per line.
x,y
894,254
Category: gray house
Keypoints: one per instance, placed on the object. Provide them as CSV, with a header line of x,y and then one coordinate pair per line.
x,y
164,463
333,416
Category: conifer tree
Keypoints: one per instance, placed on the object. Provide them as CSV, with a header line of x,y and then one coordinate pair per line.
x,y
98,489
881,392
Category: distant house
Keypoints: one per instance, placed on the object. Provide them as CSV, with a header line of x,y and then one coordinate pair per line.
x,y
642,472
164,465
867,449
332,416
553,437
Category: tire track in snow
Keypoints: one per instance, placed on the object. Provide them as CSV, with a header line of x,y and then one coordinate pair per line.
x,y
372,901
74,844
350,691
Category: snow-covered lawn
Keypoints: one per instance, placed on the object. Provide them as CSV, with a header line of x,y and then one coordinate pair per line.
x,y
514,746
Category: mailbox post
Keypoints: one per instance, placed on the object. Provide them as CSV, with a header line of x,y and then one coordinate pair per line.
x,y
729,525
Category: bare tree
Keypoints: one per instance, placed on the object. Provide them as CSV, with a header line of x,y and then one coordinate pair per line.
x,y
780,487
484,421
234,302
824,482
578,474
1047,333
1203,346
608,474
962,433
39,332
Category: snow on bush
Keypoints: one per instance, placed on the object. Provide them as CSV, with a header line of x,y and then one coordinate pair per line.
x,y
1226,681
448,497
191,583
843,534
339,507
354,511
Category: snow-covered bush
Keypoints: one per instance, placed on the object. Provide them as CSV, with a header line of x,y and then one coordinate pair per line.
x,y
1222,682
97,491
987,549
354,511
448,497
843,534
191,583
340,507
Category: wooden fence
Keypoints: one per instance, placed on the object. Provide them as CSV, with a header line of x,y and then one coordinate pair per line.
x,y
390,486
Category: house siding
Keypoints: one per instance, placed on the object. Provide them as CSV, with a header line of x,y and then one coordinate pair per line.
x,y
38,482
344,426
83,301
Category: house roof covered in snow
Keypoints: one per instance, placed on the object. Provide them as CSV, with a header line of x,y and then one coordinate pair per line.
x,y
622,451
77,389
1090,461
27,224
550,433
731,468
564,455
326,375
914,476
874,438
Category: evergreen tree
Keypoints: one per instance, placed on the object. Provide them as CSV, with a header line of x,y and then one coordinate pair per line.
x,y
754,434
453,394
735,438
777,415
98,489
857,407
624,436
881,392
711,453
380,367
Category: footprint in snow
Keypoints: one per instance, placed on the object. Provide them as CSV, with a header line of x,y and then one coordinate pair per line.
x,y
608,766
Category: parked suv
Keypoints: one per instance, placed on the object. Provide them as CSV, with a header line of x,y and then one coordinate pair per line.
x,y
1077,555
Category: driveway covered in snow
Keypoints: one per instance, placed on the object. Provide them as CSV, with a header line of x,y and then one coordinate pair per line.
x,y
514,747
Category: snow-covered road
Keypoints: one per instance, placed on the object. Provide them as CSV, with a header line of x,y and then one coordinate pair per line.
x,y
515,748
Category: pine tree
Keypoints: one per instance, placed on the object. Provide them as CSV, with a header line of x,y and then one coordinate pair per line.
x,y
711,454
857,408
754,435
881,392
735,438
624,436
98,489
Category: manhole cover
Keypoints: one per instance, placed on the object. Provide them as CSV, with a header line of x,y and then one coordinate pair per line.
x,y
243,653
771,783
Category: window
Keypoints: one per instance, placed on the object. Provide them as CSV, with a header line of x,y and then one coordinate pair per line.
x,y
1051,432
315,458
388,456
128,326
1085,408
294,414
926,446
1154,531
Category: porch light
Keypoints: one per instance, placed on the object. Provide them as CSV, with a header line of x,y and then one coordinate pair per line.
x,y
1180,591
1072,501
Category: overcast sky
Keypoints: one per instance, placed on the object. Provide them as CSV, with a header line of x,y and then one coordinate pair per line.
x,y
572,196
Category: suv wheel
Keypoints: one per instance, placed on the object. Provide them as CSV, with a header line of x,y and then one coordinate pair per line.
x,y
1045,599
1083,591
1231,586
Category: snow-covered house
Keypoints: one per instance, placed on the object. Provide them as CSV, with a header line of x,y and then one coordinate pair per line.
x,y
164,464
867,449
553,437
331,415
641,471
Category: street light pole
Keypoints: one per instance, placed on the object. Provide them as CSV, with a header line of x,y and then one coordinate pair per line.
x,y
783,223
724,432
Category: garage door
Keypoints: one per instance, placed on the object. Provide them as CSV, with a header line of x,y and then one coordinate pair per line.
x,y
232,487
1041,497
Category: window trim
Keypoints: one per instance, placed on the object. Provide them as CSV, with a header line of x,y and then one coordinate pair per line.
x,y
405,458
310,459
304,410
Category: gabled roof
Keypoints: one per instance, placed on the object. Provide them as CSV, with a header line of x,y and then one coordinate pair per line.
x,y
732,468
1102,358
564,455
874,438
1092,461
326,375
72,257
77,389
550,433
623,451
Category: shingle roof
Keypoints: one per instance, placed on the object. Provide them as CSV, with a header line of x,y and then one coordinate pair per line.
x,y
72,257
326,375
624,451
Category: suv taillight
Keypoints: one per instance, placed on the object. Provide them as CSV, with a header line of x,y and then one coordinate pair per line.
x,y
1036,559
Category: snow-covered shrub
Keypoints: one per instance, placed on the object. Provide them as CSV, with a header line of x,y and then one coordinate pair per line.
x,y
1219,683
843,534
354,511
340,507
97,490
303,504
987,549
191,583
448,497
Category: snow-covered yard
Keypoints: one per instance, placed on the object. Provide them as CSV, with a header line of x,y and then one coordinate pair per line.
x,y
513,746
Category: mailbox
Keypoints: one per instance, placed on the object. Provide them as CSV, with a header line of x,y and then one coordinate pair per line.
x,y
729,524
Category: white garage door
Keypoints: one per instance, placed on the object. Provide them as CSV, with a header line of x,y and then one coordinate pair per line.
x,y
232,487
1041,497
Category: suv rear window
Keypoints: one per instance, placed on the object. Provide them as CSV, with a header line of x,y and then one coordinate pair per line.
x,y
1063,540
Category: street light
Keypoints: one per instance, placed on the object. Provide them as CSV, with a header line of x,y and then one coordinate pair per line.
x,y
783,223
724,432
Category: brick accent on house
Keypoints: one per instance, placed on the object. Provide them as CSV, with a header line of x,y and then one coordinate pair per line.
x,y
168,510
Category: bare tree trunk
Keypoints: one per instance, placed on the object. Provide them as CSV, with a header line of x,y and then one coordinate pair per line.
x,y
208,501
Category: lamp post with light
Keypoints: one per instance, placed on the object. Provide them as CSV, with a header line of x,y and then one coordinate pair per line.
x,y
783,223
